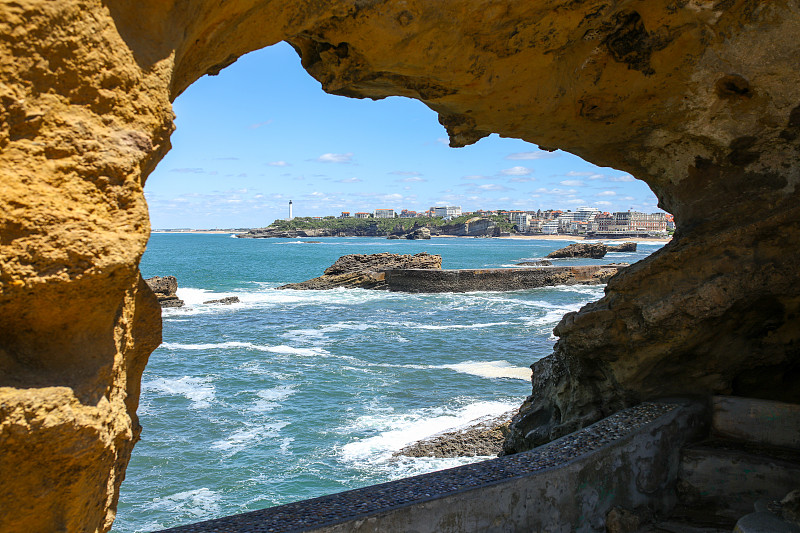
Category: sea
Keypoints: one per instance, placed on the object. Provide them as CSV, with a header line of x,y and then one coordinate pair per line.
x,y
290,395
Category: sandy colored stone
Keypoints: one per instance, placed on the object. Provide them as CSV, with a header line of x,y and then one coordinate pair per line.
x,y
699,98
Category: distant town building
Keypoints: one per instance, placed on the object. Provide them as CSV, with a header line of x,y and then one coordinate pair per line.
x,y
447,212
363,215
630,223
550,228
384,213
521,219
345,214
405,213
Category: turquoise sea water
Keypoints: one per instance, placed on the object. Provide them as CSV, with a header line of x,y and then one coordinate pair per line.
x,y
290,395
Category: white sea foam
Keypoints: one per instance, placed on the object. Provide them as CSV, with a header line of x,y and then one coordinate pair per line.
x,y
268,399
197,503
398,431
491,369
199,390
247,437
280,349
413,325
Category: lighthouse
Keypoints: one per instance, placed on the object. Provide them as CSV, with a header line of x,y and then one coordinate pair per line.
x,y
290,210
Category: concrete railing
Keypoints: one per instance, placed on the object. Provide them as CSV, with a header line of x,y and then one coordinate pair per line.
x,y
629,459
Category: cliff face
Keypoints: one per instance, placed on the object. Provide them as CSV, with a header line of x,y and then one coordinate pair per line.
x,y
699,98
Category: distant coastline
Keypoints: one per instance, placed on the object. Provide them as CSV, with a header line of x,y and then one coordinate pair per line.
x,y
538,237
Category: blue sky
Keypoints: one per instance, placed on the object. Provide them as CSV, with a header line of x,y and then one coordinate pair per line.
x,y
263,132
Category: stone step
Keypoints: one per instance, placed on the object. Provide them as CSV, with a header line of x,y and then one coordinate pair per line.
x,y
758,421
764,522
728,477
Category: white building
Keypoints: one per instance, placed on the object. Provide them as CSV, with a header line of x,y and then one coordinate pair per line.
x,y
361,214
447,212
384,213
521,220
550,228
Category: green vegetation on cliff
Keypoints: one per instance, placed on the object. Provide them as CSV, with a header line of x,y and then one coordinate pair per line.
x,y
387,225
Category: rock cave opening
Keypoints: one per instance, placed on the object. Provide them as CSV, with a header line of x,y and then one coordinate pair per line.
x,y
262,157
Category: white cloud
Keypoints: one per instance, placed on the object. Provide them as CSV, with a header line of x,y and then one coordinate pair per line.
x,y
493,187
522,179
350,180
527,156
606,193
572,183
623,178
316,194
405,173
335,158
516,171
278,164
603,202
260,124
474,177
412,180
629,198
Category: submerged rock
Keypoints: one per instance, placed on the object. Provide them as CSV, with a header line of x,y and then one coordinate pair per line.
x,y
226,301
543,262
580,249
165,289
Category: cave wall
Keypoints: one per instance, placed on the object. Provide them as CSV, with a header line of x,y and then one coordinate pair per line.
x,y
699,98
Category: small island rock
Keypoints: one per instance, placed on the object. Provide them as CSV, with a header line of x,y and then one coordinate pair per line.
x,y
580,249
165,289
624,247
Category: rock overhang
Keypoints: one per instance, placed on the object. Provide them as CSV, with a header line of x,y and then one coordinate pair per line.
x,y
699,98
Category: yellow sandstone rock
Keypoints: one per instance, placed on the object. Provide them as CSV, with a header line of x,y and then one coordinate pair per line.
x,y
699,98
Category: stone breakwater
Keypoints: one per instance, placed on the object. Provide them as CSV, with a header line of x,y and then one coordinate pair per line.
x,y
423,273
495,279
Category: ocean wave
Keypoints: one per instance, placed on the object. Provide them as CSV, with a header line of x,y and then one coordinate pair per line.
x,y
280,349
268,399
197,503
247,437
396,431
199,390
413,325
491,369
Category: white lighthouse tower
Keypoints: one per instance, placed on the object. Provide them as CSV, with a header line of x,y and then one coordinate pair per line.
x,y
290,210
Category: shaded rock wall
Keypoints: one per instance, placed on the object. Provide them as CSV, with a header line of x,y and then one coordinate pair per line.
x,y
699,98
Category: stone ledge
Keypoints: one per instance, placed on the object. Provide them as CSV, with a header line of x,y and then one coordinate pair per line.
x,y
628,459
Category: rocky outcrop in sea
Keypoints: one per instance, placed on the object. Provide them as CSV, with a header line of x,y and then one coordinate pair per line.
x,y
580,249
591,250
165,289
423,273
366,271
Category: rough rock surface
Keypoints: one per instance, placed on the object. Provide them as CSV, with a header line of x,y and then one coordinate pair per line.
x,y
419,233
580,249
365,271
624,247
165,289
543,262
225,301
699,98
483,438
